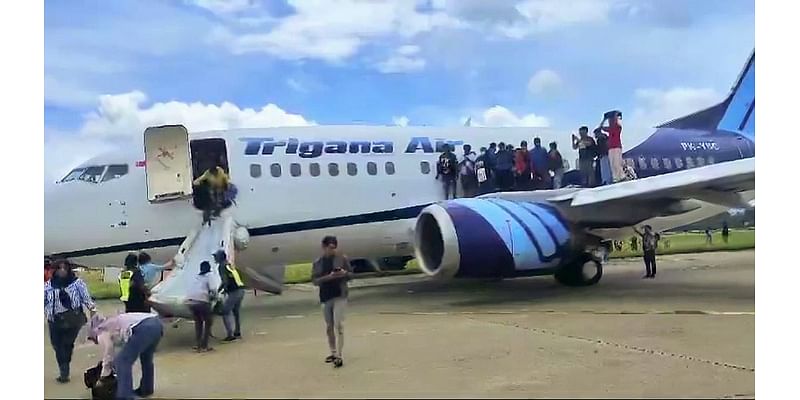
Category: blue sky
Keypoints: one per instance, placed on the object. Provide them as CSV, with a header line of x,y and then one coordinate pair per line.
x,y
112,67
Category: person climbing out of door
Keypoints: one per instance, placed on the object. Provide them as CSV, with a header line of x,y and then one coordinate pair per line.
x,y
216,181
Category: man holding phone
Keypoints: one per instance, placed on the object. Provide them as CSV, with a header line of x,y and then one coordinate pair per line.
x,y
330,273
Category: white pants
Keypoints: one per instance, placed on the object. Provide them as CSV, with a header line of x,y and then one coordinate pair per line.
x,y
615,156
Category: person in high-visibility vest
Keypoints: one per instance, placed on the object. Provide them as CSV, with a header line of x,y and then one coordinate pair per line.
x,y
233,287
132,288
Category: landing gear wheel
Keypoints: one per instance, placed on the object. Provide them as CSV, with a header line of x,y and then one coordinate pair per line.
x,y
584,271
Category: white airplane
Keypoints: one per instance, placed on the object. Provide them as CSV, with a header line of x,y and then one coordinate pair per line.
x,y
374,188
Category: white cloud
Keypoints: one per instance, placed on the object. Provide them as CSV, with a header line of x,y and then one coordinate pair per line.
x,y
296,85
499,116
400,121
520,18
121,119
66,94
335,30
404,60
656,106
545,82
124,115
223,7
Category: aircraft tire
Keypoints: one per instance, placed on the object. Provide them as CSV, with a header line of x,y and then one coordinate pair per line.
x,y
574,273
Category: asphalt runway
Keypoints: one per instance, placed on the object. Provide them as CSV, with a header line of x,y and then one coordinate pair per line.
x,y
688,333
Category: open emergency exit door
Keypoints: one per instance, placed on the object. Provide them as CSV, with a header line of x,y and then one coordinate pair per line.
x,y
167,164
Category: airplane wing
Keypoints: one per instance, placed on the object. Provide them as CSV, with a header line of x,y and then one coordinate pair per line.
x,y
726,185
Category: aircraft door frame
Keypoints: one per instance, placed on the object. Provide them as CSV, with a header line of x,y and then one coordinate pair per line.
x,y
167,163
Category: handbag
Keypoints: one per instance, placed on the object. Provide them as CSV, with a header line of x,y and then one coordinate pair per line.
x,y
71,319
107,389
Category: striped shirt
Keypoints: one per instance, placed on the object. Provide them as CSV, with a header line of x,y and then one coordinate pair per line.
x,y
78,293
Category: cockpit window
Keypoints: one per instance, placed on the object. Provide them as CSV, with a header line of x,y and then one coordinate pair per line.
x,y
97,173
74,174
92,174
115,171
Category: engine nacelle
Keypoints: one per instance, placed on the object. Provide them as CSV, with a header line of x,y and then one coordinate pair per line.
x,y
490,237
241,238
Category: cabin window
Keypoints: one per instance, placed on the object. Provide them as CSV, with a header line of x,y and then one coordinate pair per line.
x,y
313,169
678,163
654,164
255,170
701,161
275,170
629,162
642,163
333,169
294,169
710,160
425,167
115,171
352,169
667,163
92,174
690,162
372,168
389,168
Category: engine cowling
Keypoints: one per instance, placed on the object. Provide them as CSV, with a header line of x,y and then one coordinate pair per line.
x,y
491,237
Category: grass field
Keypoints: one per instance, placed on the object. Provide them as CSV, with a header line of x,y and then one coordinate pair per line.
x,y
678,243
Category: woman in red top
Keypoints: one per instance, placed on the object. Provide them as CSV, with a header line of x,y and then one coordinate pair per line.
x,y
614,130
521,167
48,269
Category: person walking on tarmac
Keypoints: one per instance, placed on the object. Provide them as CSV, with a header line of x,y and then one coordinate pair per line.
x,y
132,287
330,273
137,335
233,287
217,182
65,296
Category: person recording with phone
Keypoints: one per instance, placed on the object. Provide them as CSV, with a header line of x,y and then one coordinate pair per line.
x,y
330,273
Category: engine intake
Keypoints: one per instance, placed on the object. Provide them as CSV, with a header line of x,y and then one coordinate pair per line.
x,y
480,238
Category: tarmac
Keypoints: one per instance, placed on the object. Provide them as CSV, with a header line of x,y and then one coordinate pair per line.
x,y
688,333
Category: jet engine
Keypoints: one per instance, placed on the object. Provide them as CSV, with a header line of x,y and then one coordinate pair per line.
x,y
498,238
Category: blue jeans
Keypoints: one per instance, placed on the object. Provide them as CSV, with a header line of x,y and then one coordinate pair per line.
x,y
230,312
606,178
142,345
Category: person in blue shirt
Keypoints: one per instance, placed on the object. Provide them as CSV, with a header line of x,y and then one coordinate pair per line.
x,y
150,270
538,159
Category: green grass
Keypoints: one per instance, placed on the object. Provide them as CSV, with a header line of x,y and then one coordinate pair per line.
x,y
694,243
678,243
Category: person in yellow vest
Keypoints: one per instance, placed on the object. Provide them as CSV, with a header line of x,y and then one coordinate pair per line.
x,y
132,288
233,288
216,180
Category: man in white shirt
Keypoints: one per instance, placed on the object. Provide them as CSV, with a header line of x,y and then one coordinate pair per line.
x,y
139,334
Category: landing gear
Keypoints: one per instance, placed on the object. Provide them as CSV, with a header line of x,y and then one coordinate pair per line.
x,y
583,271
393,263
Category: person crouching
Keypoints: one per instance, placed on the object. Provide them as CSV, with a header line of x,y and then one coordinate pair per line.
x,y
139,335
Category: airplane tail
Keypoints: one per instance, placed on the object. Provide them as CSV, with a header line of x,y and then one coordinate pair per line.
x,y
735,114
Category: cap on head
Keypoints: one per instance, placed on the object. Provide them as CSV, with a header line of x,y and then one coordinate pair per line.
x,y
205,267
